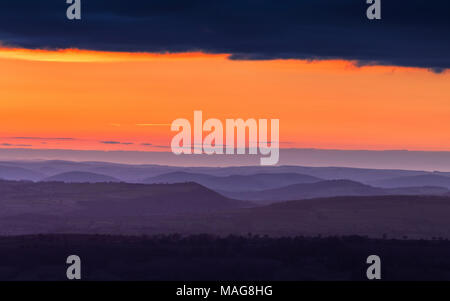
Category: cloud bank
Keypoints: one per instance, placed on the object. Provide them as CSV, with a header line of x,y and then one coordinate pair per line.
x,y
411,33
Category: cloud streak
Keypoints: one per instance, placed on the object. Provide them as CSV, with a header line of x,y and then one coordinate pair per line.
x,y
116,142
153,124
42,138
16,145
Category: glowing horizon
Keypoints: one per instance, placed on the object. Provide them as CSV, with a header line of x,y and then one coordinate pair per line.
x,y
130,99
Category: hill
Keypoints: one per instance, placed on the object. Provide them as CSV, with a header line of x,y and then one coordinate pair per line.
x,y
122,209
14,173
419,180
235,183
80,177
137,173
106,200
375,216
327,173
329,189
412,217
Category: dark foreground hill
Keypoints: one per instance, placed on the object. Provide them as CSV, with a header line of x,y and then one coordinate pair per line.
x,y
232,258
235,183
80,177
113,200
375,216
329,189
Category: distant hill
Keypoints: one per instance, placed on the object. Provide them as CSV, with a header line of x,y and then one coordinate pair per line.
x,y
124,172
137,173
222,179
80,177
424,190
356,174
179,177
419,180
329,189
327,173
18,173
235,183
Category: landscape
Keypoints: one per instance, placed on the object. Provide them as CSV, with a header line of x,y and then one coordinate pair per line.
x,y
95,206
104,198
225,141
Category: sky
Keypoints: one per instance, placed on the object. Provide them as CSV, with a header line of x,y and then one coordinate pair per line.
x,y
103,100
117,79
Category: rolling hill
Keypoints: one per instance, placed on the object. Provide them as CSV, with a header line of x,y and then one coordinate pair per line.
x,y
80,177
137,173
234,182
192,209
327,173
329,189
100,200
374,216
419,180
15,173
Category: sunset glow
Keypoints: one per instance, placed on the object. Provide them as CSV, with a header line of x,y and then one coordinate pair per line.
x,y
127,101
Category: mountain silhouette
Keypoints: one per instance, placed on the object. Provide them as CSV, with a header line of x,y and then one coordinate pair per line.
x,y
98,200
235,183
137,173
80,177
136,209
419,180
329,189
375,216
15,173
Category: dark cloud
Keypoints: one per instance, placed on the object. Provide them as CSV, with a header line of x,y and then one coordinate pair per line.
x,y
411,32
146,144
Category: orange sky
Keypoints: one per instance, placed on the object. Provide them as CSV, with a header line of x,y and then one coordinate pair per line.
x,y
132,98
